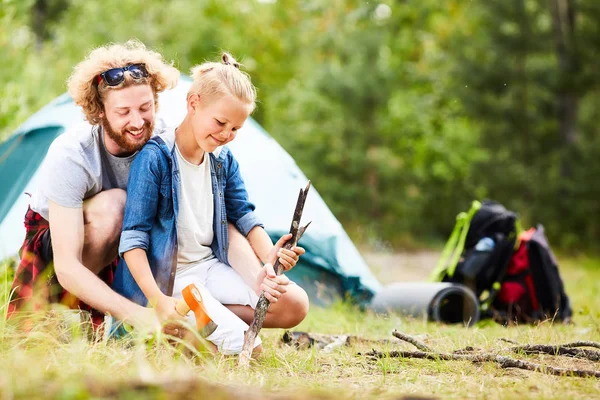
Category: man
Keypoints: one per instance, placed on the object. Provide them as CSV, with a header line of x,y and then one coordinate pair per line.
x,y
74,219
75,216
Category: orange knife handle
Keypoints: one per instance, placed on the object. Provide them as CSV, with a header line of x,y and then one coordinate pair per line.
x,y
193,298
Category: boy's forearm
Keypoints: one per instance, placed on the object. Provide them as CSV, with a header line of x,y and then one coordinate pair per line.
x,y
261,243
137,261
243,258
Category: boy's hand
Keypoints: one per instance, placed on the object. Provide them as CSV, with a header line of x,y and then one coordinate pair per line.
x,y
287,258
274,286
169,317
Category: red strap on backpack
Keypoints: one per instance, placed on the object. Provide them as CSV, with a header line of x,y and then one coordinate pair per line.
x,y
511,292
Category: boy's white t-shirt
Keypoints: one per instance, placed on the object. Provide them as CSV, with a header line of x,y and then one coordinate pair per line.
x,y
195,220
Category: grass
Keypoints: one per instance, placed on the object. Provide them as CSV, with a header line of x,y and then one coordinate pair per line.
x,y
51,361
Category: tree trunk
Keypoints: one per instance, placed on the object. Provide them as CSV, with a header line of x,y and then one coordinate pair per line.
x,y
563,26
522,90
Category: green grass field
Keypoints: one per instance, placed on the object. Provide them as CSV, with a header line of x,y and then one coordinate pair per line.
x,y
47,363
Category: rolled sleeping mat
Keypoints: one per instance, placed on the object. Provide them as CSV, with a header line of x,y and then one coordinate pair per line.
x,y
440,301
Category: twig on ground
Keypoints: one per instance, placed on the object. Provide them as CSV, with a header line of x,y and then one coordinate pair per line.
x,y
582,344
466,350
304,340
263,304
559,350
509,341
503,361
418,344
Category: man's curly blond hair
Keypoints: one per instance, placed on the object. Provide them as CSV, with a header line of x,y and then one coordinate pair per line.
x,y
83,84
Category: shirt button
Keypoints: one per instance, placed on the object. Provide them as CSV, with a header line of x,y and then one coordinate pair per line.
x,y
223,222
224,248
218,165
220,194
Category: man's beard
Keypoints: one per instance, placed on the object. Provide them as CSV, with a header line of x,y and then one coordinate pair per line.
x,y
124,140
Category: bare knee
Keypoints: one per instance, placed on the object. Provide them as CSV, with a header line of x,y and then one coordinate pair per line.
x,y
104,213
295,305
257,351
103,219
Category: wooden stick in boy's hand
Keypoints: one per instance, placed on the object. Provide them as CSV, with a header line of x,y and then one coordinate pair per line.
x,y
263,304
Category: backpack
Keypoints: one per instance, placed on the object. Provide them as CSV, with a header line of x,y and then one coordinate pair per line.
x,y
532,289
514,275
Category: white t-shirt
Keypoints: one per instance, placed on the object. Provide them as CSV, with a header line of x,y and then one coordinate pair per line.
x,y
77,167
195,220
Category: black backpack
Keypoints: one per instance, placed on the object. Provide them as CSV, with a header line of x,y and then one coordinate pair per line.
x,y
515,278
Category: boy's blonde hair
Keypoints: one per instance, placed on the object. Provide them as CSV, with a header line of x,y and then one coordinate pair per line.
x,y
89,93
215,79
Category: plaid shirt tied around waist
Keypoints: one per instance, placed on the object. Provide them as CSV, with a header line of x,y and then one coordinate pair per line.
x,y
35,284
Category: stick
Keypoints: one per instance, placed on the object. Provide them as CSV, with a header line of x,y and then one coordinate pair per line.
x,y
263,304
559,350
503,361
582,344
509,341
419,345
319,340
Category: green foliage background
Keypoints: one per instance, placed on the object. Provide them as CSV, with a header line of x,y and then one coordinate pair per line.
x,y
401,112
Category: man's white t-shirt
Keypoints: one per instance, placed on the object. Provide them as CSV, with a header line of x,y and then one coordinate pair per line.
x,y
196,209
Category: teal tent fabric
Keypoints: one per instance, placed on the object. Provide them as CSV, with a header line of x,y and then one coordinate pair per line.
x,y
320,274
20,157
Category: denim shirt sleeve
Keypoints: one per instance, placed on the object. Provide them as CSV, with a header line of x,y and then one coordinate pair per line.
x,y
142,199
239,209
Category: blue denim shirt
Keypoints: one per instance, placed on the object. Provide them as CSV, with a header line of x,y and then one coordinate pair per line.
x,y
152,206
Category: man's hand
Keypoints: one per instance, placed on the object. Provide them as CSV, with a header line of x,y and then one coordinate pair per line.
x,y
274,286
287,258
146,320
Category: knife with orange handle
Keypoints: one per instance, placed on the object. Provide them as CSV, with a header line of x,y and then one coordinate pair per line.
x,y
192,300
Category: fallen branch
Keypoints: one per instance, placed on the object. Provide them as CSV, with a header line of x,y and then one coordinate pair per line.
x,y
510,341
559,350
263,304
419,345
304,340
582,344
503,361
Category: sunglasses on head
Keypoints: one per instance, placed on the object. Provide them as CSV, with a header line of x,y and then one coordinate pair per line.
x,y
114,76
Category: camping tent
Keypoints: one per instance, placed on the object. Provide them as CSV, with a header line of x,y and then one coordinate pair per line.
x,y
332,266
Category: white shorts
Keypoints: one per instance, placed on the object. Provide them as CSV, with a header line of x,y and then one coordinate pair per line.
x,y
219,284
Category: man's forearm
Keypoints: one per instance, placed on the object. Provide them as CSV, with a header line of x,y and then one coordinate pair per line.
x,y
86,286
